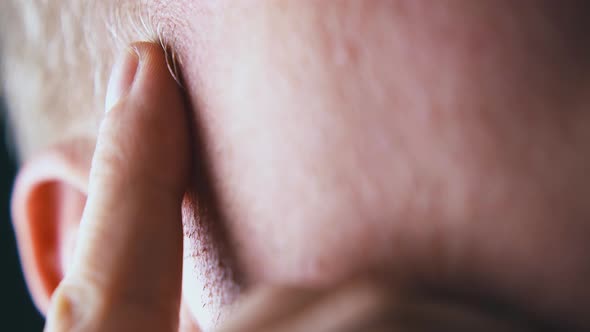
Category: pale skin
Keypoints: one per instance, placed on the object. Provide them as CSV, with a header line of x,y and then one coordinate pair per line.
x,y
348,162
136,286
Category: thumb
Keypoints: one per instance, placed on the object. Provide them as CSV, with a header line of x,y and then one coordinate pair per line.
x,y
126,274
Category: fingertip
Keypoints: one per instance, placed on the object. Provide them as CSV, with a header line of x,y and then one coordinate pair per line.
x,y
122,78
150,127
153,62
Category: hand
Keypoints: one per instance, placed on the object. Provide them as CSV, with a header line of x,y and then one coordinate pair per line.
x,y
126,273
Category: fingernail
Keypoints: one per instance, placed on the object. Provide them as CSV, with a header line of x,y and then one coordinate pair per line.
x,y
122,77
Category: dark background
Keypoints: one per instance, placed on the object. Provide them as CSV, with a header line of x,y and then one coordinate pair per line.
x,y
17,312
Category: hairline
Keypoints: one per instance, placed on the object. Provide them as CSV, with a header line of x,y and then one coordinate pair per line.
x,y
54,63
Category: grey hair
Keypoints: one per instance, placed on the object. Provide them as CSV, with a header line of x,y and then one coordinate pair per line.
x,y
55,58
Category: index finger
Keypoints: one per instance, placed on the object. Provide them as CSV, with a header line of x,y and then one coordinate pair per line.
x,y
127,268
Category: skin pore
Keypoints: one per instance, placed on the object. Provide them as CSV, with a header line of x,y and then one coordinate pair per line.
x,y
387,136
442,147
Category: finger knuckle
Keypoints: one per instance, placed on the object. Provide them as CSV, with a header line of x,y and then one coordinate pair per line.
x,y
71,308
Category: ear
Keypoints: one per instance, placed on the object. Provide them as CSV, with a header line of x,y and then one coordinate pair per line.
x,y
47,203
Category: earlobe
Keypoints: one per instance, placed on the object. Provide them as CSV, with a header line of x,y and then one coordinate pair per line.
x,y
47,203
